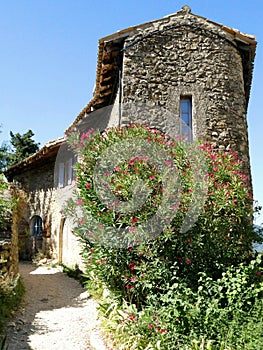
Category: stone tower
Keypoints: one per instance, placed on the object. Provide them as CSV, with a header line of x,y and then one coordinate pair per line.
x,y
185,75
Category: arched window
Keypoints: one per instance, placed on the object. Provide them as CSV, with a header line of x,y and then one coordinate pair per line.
x,y
36,226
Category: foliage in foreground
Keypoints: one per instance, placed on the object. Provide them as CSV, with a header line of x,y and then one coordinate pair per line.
x,y
222,314
6,205
11,292
184,288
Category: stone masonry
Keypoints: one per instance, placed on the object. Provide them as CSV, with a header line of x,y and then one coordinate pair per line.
x,y
183,55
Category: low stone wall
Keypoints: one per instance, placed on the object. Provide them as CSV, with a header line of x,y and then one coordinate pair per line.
x,y
7,258
9,244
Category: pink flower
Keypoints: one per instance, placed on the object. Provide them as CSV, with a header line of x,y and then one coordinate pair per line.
x,y
84,136
132,317
150,326
131,266
213,156
134,220
80,201
129,287
132,279
188,261
88,185
82,222
162,330
117,168
131,162
259,273
151,177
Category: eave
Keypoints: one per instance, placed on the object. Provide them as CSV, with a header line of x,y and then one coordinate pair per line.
x,y
47,152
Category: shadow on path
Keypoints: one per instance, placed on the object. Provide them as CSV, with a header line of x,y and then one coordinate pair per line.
x,y
56,312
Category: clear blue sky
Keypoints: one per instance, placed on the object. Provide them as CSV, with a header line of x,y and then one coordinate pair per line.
x,y
49,52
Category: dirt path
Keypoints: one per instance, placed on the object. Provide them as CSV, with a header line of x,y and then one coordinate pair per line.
x,y
57,314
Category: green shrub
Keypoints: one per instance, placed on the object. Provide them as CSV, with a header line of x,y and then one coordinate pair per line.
x,y
11,292
6,205
223,314
198,279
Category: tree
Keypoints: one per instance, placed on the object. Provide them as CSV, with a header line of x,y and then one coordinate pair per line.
x,y
24,146
4,156
20,147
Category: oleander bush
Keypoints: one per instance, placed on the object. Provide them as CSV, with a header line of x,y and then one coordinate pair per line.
x,y
187,284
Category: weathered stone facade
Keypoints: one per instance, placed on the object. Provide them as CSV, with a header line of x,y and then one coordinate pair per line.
x,y
183,55
41,197
37,188
148,68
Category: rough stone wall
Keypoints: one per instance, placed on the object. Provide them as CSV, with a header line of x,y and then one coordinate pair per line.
x,y
9,244
43,198
37,185
184,55
8,263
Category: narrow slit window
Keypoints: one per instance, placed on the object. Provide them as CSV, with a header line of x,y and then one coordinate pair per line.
x,y
70,171
36,226
61,175
186,118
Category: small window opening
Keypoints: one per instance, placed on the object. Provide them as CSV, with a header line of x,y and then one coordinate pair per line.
x,y
65,173
186,118
36,226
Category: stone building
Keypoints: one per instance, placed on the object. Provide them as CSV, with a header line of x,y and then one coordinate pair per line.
x,y
183,74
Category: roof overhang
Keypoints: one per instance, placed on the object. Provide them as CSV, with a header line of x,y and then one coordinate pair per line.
x,y
47,152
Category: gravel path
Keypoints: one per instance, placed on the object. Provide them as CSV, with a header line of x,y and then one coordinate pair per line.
x,y
57,314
